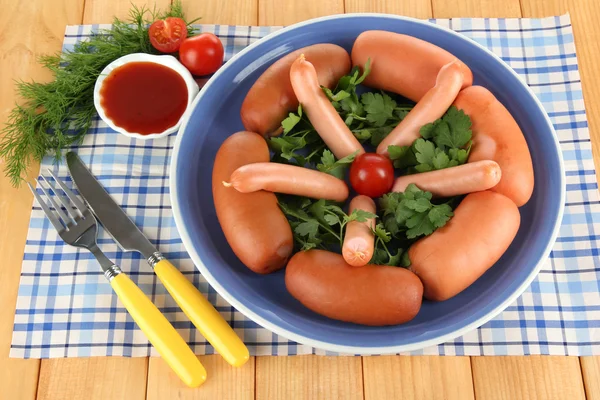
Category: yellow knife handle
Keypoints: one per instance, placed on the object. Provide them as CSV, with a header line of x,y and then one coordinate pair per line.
x,y
159,331
202,314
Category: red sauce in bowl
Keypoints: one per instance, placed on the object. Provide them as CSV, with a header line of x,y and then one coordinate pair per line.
x,y
144,97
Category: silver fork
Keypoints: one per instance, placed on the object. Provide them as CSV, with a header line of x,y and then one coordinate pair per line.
x,y
78,227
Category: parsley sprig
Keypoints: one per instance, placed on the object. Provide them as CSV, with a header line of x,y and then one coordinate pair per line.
x,y
444,143
318,223
337,168
412,213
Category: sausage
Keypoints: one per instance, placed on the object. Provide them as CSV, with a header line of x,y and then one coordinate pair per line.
x,y
321,113
454,181
497,136
254,226
402,64
373,295
271,97
289,179
457,254
359,241
431,107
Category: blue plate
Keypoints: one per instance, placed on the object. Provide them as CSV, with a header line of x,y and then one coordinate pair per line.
x,y
264,299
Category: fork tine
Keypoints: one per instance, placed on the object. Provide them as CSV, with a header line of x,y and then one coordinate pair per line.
x,y
65,202
65,218
78,203
59,227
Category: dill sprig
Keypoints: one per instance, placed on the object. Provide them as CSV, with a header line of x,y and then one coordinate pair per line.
x,y
56,115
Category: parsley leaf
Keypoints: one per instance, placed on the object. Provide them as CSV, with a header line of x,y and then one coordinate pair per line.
x,y
395,259
337,97
413,213
360,216
308,228
378,134
391,225
379,107
292,120
424,151
440,215
382,233
382,254
453,130
402,156
331,219
336,168
419,225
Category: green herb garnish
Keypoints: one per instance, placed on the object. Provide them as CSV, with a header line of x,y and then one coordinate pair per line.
x,y
443,144
337,168
413,213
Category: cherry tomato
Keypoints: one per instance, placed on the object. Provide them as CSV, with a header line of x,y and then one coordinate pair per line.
x,y
166,35
372,174
202,54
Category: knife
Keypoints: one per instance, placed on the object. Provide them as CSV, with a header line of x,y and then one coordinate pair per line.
x,y
128,236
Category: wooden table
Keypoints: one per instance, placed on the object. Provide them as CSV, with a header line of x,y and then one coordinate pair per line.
x,y
34,27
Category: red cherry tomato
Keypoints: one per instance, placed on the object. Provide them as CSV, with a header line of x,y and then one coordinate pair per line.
x,y
372,174
202,54
166,35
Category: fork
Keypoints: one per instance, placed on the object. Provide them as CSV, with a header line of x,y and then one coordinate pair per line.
x,y
77,226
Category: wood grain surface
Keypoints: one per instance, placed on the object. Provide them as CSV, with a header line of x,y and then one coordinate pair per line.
x,y
28,29
224,382
93,378
423,377
309,377
533,377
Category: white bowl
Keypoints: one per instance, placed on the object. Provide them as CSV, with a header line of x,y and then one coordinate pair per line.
x,y
167,61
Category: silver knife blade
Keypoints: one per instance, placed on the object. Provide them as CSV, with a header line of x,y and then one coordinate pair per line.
x,y
127,235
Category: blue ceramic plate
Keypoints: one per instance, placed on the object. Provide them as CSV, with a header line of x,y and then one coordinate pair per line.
x,y
264,299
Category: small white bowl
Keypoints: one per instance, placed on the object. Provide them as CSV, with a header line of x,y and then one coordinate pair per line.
x,y
167,61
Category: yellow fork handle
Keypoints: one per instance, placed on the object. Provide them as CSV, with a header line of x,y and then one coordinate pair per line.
x,y
159,331
202,314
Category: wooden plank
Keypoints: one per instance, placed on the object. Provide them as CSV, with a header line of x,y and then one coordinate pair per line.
x,y
423,377
93,378
532,377
476,8
277,12
411,8
27,30
229,12
224,382
308,377
590,368
104,11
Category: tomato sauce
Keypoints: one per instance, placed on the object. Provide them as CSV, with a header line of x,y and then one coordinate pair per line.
x,y
144,97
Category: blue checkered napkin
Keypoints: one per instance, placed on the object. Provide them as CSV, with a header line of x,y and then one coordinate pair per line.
x,y
65,308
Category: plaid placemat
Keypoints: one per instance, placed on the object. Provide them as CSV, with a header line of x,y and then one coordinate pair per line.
x,y
65,308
